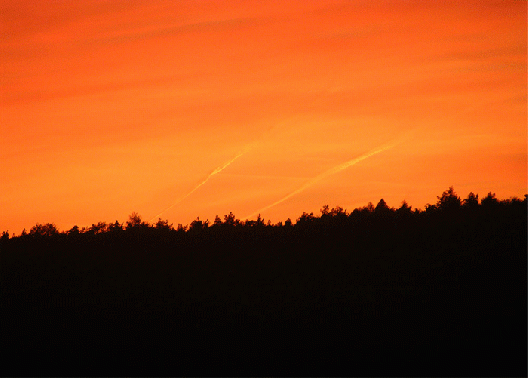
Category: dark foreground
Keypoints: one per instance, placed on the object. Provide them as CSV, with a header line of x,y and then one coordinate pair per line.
x,y
442,293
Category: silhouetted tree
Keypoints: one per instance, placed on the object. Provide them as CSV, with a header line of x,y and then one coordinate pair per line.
x,y
449,200
305,219
381,207
217,221
48,229
472,201
115,227
163,225
363,211
230,220
74,230
197,225
430,209
260,221
489,201
98,228
135,221
404,210
338,211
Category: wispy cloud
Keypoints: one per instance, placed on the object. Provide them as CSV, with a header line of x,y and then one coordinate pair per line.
x,y
216,171
327,173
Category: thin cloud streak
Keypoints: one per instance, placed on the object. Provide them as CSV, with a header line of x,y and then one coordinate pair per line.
x,y
324,175
216,171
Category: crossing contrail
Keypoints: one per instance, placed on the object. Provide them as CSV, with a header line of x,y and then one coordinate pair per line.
x,y
216,171
324,175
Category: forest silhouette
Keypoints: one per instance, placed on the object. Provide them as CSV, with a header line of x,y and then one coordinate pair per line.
x,y
374,291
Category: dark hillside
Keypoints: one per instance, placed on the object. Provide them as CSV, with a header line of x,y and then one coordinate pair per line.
x,y
378,291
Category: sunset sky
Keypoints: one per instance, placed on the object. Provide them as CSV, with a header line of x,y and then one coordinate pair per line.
x,y
114,107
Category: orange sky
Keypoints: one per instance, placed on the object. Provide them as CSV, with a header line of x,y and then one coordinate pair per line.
x,y
111,107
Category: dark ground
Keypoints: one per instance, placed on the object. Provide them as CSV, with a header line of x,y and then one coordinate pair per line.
x,y
442,292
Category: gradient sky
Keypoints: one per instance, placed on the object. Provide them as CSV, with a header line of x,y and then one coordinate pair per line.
x,y
111,107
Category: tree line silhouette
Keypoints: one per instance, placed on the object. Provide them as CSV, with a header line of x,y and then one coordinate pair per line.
x,y
439,291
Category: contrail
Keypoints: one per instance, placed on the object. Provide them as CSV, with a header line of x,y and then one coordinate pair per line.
x,y
323,175
216,171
